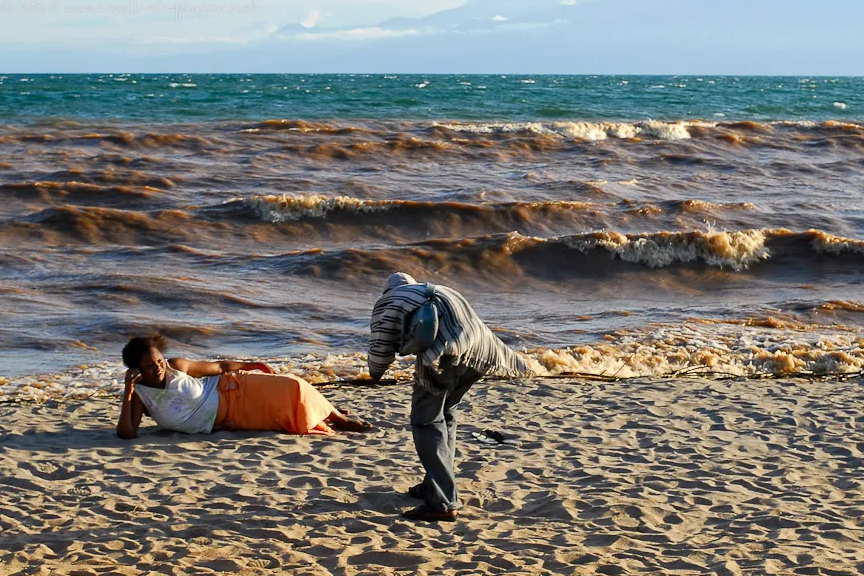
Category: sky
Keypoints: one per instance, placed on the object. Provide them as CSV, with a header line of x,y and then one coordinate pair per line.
x,y
783,37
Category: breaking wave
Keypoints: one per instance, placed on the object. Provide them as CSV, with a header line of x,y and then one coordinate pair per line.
x,y
589,131
582,255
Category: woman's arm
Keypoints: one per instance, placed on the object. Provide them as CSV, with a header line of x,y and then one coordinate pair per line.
x,y
199,369
131,410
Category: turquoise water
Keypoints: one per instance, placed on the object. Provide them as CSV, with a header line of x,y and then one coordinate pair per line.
x,y
203,97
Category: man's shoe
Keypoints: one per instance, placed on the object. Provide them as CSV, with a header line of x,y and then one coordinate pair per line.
x,y
426,514
418,491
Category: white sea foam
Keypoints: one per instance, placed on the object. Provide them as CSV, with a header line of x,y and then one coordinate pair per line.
x,y
736,250
589,131
667,130
287,208
736,348
810,125
796,123
840,105
830,244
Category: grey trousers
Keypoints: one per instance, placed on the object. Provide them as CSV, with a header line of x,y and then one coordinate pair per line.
x,y
433,423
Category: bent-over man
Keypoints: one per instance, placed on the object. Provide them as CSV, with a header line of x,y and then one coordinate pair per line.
x,y
462,352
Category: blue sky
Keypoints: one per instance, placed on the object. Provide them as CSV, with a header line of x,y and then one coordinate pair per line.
x,y
434,36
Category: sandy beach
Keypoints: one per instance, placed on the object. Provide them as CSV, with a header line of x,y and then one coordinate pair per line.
x,y
631,477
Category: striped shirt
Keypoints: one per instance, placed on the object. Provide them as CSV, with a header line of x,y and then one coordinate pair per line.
x,y
462,337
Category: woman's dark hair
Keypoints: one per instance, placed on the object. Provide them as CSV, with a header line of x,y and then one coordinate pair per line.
x,y
140,345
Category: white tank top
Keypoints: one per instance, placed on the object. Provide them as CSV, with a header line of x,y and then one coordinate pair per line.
x,y
186,404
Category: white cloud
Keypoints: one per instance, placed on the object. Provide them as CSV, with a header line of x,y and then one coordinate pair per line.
x,y
251,36
313,17
189,40
500,19
568,2
356,34
519,26
506,27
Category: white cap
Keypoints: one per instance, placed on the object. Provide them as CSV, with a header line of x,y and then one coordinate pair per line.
x,y
398,279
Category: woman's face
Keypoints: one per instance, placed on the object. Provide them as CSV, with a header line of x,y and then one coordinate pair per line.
x,y
153,367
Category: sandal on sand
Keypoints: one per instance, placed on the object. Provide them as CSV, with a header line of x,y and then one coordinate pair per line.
x,y
426,514
418,491
493,437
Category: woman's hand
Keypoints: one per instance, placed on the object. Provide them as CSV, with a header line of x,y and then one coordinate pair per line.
x,y
263,367
131,408
131,378
201,369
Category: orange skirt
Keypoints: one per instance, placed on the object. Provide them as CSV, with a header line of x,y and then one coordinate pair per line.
x,y
258,401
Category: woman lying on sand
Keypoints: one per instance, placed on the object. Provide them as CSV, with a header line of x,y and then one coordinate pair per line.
x,y
192,397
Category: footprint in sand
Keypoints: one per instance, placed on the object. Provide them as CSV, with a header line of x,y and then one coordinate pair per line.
x,y
80,491
268,563
390,559
47,470
222,566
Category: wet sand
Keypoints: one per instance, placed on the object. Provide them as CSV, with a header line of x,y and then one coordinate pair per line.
x,y
631,477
